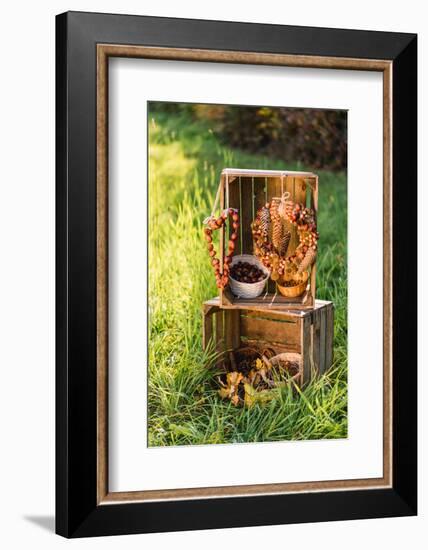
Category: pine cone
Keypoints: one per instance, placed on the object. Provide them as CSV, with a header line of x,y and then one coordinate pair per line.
x,y
308,260
277,232
284,242
265,221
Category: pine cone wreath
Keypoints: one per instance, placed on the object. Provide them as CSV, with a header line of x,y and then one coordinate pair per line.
x,y
274,205
277,232
276,223
308,260
285,209
265,221
284,242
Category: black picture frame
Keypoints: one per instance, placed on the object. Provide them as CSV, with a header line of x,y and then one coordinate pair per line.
x,y
77,512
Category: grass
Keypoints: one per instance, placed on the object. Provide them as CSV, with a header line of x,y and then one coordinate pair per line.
x,y
185,160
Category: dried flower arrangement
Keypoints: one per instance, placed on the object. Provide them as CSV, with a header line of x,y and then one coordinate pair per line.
x,y
271,237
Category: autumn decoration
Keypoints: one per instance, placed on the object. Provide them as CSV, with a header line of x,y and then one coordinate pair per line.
x,y
255,373
271,231
213,223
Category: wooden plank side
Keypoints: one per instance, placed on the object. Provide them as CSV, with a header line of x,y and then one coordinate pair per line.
x,y
232,329
226,297
223,239
278,347
260,193
219,334
319,304
281,315
329,336
262,306
270,330
316,340
305,336
246,215
235,202
207,325
323,316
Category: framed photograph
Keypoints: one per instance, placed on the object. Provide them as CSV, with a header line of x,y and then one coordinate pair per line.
x,y
236,274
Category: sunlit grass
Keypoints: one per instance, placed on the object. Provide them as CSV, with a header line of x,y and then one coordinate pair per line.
x,y
184,408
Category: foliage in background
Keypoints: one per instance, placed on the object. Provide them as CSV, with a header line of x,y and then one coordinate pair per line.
x,y
317,137
185,160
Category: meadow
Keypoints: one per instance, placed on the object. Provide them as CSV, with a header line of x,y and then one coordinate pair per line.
x,y
185,161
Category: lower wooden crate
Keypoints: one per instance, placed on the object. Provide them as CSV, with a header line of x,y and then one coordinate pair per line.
x,y
307,332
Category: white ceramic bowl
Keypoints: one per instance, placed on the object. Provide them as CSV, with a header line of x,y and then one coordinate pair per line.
x,y
248,290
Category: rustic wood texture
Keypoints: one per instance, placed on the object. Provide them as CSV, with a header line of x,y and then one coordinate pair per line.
x,y
272,330
313,192
246,215
207,324
235,202
329,330
315,339
248,190
308,332
219,330
232,329
305,339
322,343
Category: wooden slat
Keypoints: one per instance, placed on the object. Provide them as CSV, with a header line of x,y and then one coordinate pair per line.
x,y
318,304
271,301
219,332
268,173
270,330
329,336
300,190
316,340
246,215
232,329
278,347
285,316
226,297
305,335
234,202
322,339
223,240
313,189
207,331
259,193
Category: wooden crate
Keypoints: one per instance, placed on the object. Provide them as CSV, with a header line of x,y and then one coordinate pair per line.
x,y
307,331
248,190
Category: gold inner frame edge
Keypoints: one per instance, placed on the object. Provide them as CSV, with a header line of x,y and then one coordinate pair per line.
x,y
104,51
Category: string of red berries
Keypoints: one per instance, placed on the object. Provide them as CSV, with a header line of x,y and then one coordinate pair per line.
x,y
304,218
213,223
271,237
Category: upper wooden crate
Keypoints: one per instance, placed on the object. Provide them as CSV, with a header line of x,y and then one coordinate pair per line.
x,y
249,190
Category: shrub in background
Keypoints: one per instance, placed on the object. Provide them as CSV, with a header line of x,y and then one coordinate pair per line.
x,y
317,138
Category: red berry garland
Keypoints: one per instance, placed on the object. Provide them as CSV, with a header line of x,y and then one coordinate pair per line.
x,y
214,223
271,246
